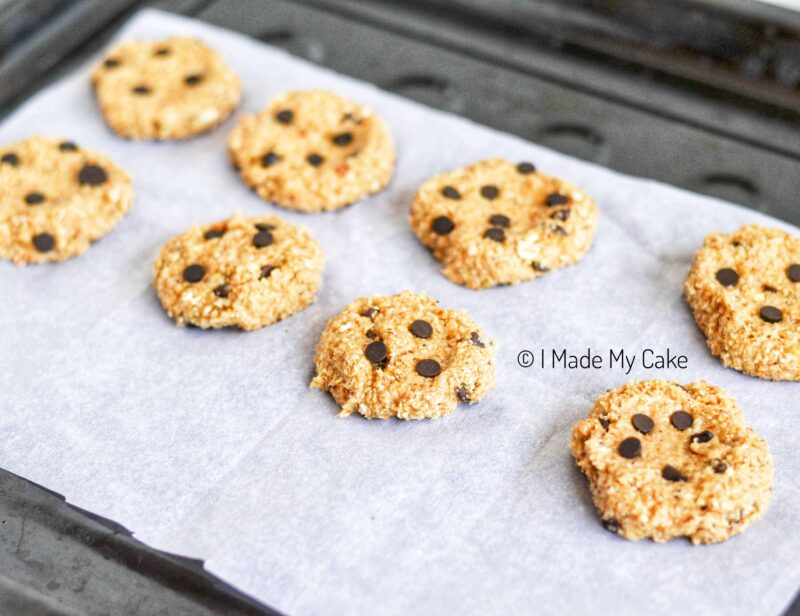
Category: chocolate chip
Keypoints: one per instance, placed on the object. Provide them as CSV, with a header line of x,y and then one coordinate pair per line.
x,y
495,233
526,168
141,90
769,289
604,422
670,473
736,244
194,273
421,329
476,340
266,270
67,146
702,437
376,352
611,525
370,312
560,214
462,394
442,225
451,193
539,267
285,116
727,277
556,199
44,242
214,233
558,230
499,220
681,420
631,447
34,198
221,291
92,175
370,333
111,63
771,314
161,51
10,159
428,368
643,423
315,160
262,239
264,226
793,272
342,139
719,466
490,192
269,159
193,80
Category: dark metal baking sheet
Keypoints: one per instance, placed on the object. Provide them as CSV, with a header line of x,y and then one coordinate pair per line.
x,y
588,79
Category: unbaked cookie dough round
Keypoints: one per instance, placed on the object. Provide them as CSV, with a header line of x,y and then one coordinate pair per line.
x,y
313,151
744,290
665,461
497,222
241,272
170,89
403,356
56,198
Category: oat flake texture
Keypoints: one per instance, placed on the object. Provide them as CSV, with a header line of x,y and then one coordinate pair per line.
x,y
57,198
169,89
496,222
665,461
240,272
373,361
313,151
744,290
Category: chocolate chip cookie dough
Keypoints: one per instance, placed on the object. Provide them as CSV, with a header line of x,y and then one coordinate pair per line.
x,y
241,272
170,89
56,198
744,290
496,222
665,460
403,356
313,151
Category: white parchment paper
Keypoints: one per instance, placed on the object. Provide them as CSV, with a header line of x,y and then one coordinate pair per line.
x,y
211,444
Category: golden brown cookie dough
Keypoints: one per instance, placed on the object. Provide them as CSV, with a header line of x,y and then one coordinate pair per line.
x,y
170,89
241,272
744,289
665,460
495,222
56,198
313,151
403,356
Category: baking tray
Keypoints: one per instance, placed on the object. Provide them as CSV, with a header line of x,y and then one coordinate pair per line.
x,y
709,104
